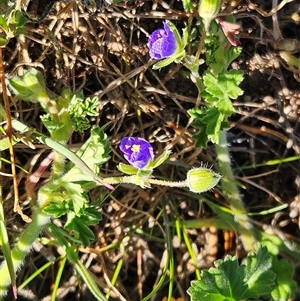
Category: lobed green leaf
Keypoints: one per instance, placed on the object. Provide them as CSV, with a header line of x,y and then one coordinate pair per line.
x,y
233,282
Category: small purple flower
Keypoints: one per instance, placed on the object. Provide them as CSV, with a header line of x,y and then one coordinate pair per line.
x,y
137,151
162,43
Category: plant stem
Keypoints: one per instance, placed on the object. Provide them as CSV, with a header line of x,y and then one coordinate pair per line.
x,y
58,165
200,46
229,186
22,248
147,182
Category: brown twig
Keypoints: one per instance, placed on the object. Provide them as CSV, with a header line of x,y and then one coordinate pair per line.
x,y
9,133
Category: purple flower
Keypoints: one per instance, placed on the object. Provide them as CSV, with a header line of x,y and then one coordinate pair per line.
x,y
162,43
137,151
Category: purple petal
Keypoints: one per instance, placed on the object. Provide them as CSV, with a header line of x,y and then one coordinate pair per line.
x,y
162,43
137,151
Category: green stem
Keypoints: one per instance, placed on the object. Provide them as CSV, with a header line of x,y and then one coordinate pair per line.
x,y
58,165
22,248
229,186
168,183
200,46
147,182
4,242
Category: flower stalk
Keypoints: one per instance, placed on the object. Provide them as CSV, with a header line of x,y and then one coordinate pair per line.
x,y
144,183
198,180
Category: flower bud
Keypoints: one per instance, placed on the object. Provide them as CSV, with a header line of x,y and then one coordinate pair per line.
x,y
30,87
208,10
202,179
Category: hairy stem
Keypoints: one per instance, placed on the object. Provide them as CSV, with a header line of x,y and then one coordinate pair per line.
x,y
136,180
58,165
22,248
229,186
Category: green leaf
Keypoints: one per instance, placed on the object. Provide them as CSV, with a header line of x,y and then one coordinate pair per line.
x,y
94,152
213,120
3,23
3,42
233,282
163,63
19,31
17,18
51,124
219,54
226,280
259,276
92,215
285,285
159,160
226,82
80,215
200,136
4,141
209,122
96,149
78,225
57,209
218,92
76,195
222,88
80,108
127,169
30,87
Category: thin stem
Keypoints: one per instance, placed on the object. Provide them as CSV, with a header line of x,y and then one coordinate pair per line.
x,y
168,183
200,46
146,182
229,186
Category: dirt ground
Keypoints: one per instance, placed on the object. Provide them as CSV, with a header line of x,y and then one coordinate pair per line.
x,y
104,53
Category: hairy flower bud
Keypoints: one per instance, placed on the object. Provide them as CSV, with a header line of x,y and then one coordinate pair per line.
x,y
208,10
202,179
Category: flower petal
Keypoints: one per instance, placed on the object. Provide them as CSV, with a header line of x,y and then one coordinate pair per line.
x,y
162,43
137,151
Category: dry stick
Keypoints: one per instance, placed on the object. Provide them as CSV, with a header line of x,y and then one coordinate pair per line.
x,y
9,133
